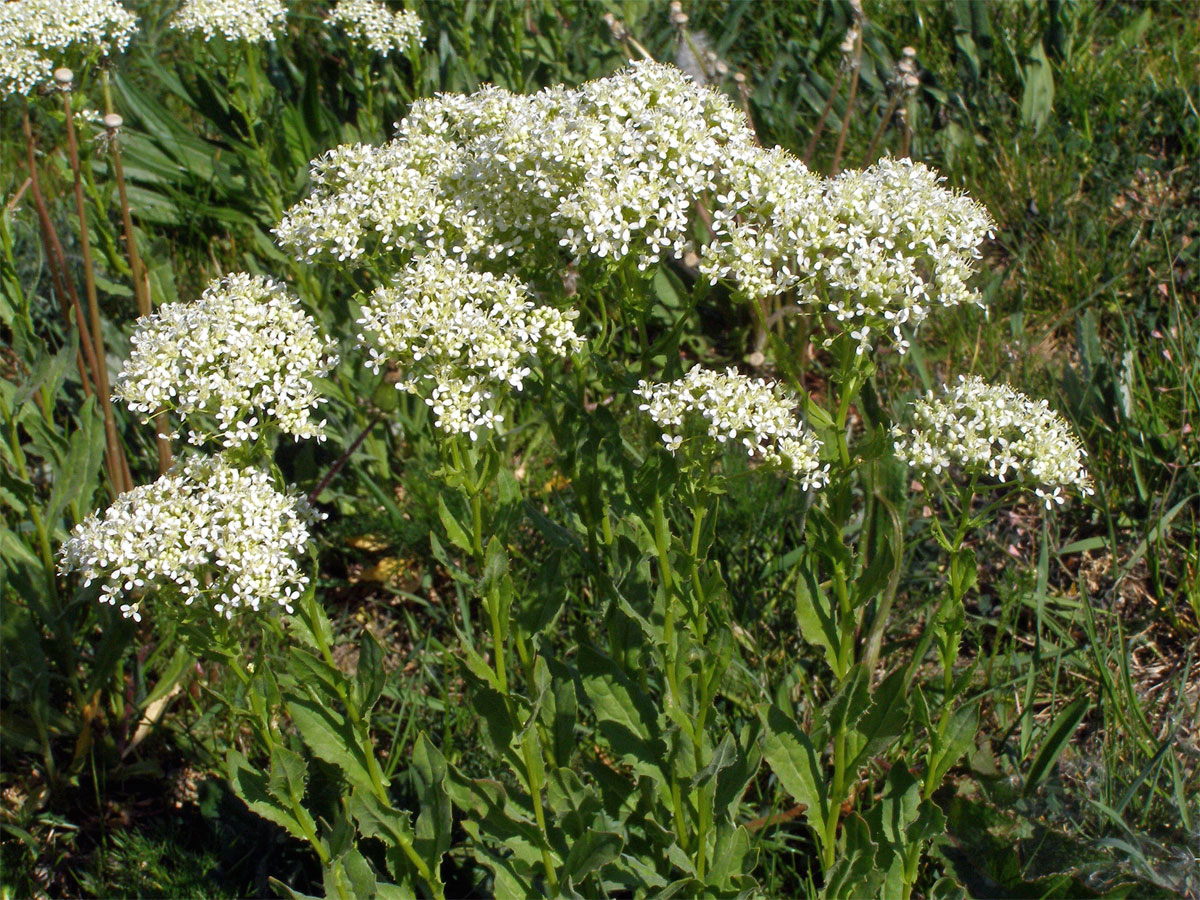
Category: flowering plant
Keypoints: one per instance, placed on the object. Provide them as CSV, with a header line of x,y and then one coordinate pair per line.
x,y
527,267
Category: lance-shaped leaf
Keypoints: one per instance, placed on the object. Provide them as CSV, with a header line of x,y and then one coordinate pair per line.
x,y
792,758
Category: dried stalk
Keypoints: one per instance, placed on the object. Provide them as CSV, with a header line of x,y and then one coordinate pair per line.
x,y
141,282
816,135
118,465
56,259
841,141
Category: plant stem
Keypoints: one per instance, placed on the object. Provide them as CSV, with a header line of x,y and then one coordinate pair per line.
x,y
118,466
343,459
534,773
141,282
841,141
816,135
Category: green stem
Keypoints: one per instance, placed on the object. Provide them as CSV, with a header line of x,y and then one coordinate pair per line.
x,y
829,848
534,773
662,542
493,605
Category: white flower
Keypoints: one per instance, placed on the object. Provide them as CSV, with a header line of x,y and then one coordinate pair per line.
x,y
462,334
880,247
245,353
36,36
373,23
612,169
996,431
205,533
22,70
252,21
728,406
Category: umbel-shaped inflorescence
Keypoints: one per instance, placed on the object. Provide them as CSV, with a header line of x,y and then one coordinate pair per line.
x,y
459,336
36,36
611,169
878,248
239,360
976,429
248,21
706,406
373,23
206,534
619,169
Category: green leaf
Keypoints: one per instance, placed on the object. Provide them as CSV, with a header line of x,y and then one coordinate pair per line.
x,y
349,877
456,533
74,479
728,863
1037,99
960,737
252,788
369,675
330,736
591,851
625,716
814,612
855,873
1060,733
792,758
376,819
491,815
883,722
433,824
724,756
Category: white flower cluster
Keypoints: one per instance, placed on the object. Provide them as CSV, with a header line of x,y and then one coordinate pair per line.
x,y
252,21
372,22
467,332
880,247
612,169
996,431
730,406
205,531
245,354
38,35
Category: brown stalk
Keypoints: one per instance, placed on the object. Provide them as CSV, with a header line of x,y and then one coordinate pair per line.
x,y
118,466
816,135
56,260
883,124
141,282
344,458
841,141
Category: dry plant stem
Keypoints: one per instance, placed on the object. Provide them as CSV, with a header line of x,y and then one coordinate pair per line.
x,y
57,261
883,124
118,466
905,135
816,135
344,458
841,141
141,286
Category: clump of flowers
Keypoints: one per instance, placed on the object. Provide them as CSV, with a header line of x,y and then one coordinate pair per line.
x,y
728,406
879,248
244,355
205,532
373,23
461,334
995,431
251,21
38,35
612,169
